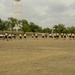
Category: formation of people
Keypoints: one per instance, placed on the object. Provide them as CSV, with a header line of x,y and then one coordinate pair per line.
x,y
9,36
57,36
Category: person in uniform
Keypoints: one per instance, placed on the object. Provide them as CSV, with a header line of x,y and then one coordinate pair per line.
x,y
69,35
57,36
36,36
73,36
25,35
50,35
1,36
43,35
32,36
6,36
64,36
20,36
10,36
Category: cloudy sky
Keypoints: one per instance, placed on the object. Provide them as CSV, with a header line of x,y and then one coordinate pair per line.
x,y
45,13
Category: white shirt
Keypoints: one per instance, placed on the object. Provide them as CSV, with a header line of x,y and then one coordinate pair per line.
x,y
24,34
20,35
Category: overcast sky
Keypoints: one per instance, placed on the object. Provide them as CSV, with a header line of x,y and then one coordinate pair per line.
x,y
45,13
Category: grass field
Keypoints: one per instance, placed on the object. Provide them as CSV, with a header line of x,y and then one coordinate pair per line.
x,y
37,57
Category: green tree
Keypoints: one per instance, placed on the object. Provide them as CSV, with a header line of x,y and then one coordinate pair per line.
x,y
55,28
35,28
71,29
12,22
60,28
2,25
24,25
47,30
7,25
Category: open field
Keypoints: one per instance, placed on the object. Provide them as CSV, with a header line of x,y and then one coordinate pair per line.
x,y
37,57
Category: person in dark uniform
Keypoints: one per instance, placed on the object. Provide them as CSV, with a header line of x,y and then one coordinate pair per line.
x,y
43,35
73,36
25,35
50,35
64,36
36,36
10,36
69,35
6,36
14,36
57,36
20,36
1,36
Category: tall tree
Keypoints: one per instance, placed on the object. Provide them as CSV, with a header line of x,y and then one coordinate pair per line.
x,y
35,28
12,22
2,25
7,25
24,25
47,30
71,29
60,28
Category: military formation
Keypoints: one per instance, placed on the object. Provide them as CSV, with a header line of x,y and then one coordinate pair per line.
x,y
8,36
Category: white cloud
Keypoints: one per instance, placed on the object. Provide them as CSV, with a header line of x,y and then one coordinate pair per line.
x,y
41,11
45,13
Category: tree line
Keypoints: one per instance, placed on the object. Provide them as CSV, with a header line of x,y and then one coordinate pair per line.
x,y
25,26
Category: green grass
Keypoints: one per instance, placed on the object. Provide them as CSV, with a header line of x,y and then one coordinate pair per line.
x,y
37,57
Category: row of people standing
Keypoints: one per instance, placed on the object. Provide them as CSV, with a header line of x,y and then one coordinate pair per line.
x,y
57,35
35,36
7,36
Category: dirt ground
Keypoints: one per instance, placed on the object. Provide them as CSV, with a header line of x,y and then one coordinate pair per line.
x,y
37,57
